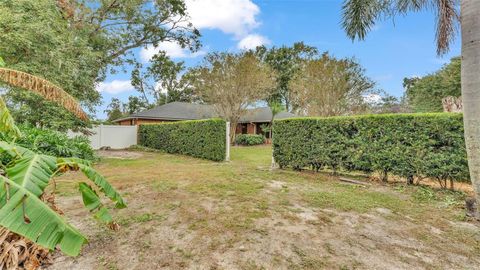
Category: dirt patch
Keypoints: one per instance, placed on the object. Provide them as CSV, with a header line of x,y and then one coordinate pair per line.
x,y
121,154
185,213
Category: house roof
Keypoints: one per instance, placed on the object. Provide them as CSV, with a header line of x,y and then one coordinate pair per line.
x,y
190,111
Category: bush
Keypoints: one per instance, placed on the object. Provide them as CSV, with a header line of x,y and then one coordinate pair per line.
x,y
54,143
249,139
406,145
202,138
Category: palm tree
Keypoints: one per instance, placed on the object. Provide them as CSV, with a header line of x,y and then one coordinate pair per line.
x,y
359,16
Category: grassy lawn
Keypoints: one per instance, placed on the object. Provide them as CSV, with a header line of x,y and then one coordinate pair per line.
x,y
191,213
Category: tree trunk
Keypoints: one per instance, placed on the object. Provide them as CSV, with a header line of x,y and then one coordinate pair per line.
x,y
470,24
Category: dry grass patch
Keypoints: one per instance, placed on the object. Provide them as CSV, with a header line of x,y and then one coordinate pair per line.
x,y
186,213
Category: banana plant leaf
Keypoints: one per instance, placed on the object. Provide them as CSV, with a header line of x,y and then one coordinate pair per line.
x,y
24,213
21,210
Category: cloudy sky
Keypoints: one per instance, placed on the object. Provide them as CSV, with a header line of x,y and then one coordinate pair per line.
x,y
393,50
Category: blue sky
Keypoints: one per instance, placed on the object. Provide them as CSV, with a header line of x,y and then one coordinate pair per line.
x,y
394,49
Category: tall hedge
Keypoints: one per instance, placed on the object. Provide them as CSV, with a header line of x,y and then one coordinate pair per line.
x,y
407,145
202,138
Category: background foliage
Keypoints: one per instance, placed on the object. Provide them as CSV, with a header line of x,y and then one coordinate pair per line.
x,y
425,94
54,143
249,139
74,44
407,145
202,138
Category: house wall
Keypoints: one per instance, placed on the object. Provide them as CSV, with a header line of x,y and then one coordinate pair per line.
x,y
250,128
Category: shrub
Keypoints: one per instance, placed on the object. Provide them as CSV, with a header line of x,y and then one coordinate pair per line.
x,y
54,143
249,139
199,138
406,145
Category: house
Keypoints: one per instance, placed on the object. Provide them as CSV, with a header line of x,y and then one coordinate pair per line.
x,y
250,123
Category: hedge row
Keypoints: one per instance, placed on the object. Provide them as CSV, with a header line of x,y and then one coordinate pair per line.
x,y
407,145
249,139
202,138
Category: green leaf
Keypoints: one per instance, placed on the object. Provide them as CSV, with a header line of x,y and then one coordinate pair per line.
x,y
45,227
95,177
7,124
33,172
92,202
2,63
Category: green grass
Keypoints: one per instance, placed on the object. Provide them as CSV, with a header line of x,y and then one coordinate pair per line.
x,y
218,206
356,198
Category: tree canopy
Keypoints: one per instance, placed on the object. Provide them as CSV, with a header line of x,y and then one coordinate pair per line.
x,y
75,43
327,86
232,82
425,94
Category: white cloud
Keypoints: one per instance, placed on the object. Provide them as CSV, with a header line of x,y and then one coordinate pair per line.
x,y
234,17
372,98
252,41
237,17
172,49
115,86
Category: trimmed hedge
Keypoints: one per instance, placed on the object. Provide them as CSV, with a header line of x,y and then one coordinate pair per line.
x,y
406,145
249,139
201,139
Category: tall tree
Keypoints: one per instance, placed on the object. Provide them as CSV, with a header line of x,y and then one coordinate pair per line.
x,y
425,94
114,110
285,61
328,86
232,83
163,80
359,17
135,105
73,43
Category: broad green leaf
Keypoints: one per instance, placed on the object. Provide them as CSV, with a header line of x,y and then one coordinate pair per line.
x,y
92,202
33,172
95,177
45,227
2,63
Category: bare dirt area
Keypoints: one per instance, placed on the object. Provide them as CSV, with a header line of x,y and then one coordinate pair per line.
x,y
185,213
122,154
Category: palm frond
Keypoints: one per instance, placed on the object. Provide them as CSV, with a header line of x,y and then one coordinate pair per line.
x,y
447,21
359,16
42,87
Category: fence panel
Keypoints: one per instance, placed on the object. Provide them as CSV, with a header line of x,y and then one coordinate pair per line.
x,y
115,137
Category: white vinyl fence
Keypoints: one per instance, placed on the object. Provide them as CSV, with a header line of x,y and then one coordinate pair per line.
x,y
115,137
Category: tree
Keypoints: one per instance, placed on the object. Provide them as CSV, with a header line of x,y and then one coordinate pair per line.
x,y
73,43
163,80
114,110
328,86
135,105
285,61
425,94
232,83
360,16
